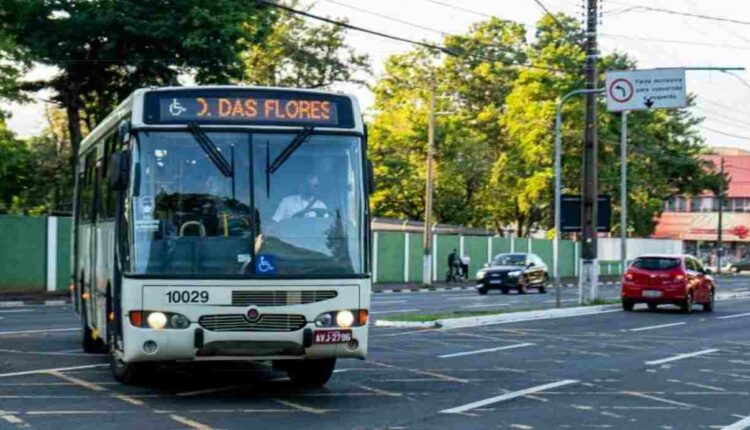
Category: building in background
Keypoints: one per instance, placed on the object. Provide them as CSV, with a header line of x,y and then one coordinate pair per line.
x,y
695,220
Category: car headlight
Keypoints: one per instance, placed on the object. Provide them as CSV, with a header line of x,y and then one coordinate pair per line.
x,y
515,274
480,274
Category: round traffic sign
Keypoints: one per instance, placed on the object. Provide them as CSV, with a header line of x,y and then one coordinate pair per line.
x,y
620,90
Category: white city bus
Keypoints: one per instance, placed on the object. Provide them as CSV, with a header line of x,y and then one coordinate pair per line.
x,y
225,223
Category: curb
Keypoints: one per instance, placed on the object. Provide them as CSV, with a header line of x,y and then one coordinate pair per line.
x,y
514,317
471,287
19,303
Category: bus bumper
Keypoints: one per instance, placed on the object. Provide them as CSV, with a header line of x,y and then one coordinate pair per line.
x,y
198,344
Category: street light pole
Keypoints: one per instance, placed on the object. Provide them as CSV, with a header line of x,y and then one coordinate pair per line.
x,y
427,239
558,186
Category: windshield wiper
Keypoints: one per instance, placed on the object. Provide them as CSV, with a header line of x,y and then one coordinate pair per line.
x,y
298,140
209,147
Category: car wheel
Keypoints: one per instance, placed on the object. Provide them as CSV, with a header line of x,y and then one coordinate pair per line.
x,y
734,269
504,291
652,307
543,287
482,291
627,305
709,307
522,287
687,304
311,373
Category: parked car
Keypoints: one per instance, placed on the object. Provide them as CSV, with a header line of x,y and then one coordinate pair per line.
x,y
739,265
514,271
667,279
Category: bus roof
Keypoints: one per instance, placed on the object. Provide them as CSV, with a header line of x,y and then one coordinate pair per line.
x,y
135,108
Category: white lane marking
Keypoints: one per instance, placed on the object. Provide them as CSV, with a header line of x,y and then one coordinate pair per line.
x,y
739,425
472,297
38,331
190,423
78,381
394,311
708,387
58,369
658,399
507,396
680,357
388,302
17,311
654,327
481,351
380,391
726,317
299,407
485,306
15,351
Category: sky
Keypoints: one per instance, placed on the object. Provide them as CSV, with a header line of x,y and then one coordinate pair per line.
x,y
654,39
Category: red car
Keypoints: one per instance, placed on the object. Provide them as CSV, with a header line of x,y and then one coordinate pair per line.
x,y
667,279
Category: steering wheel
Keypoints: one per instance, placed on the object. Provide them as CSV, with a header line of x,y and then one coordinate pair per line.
x,y
201,227
319,213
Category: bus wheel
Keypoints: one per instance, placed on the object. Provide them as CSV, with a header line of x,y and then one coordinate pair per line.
x,y
311,373
128,373
88,342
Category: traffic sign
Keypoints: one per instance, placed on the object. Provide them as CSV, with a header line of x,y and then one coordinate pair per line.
x,y
645,89
571,212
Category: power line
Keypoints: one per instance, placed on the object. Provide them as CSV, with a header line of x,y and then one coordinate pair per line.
x,y
554,18
724,133
448,5
690,14
440,48
390,18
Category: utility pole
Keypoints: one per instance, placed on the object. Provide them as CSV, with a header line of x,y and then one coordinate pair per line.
x,y
427,239
589,265
720,250
624,192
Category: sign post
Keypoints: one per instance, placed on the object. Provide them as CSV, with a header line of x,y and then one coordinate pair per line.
x,y
629,90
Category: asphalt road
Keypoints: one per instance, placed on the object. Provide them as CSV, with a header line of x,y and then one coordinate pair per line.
x,y
644,370
469,300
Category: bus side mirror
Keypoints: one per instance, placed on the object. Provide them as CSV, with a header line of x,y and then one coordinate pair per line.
x,y
123,131
118,172
370,177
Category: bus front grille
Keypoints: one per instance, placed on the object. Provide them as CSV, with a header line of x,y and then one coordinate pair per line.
x,y
280,298
238,322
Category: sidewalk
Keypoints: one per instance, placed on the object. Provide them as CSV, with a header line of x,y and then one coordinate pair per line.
x,y
400,287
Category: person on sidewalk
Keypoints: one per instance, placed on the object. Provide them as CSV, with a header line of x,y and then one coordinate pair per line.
x,y
453,265
465,262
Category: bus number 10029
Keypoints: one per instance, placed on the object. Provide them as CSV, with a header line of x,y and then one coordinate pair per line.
x,y
185,296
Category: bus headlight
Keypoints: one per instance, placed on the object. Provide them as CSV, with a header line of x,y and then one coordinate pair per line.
x,y
157,320
324,320
344,319
179,321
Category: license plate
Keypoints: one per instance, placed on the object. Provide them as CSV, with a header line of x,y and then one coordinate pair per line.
x,y
496,281
651,293
332,336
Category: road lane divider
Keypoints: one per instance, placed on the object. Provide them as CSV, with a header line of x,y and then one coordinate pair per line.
x,y
654,327
680,357
5,333
57,369
726,317
507,396
739,425
482,351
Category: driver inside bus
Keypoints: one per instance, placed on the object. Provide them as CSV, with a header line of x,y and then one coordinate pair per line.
x,y
305,204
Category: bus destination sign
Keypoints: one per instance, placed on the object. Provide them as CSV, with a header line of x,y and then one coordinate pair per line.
x,y
248,107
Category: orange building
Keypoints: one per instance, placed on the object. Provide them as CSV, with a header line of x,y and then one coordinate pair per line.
x,y
695,220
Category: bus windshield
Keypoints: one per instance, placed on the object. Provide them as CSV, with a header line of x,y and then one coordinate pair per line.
x,y
302,219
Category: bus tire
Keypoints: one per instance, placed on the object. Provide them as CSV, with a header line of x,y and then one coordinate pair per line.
x,y
311,373
89,344
129,373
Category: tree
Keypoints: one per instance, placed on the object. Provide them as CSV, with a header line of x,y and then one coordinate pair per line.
x,y
298,53
14,167
105,49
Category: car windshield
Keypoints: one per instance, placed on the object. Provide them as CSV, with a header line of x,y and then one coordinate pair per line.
x,y
656,263
303,219
509,260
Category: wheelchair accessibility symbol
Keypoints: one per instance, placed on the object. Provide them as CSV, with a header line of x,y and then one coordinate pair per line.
x,y
176,109
265,264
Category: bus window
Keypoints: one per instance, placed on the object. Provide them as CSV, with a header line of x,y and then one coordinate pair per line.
x,y
88,189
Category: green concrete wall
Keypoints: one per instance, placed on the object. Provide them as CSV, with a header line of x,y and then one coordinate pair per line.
x,y
445,244
23,256
390,256
416,254
476,248
500,245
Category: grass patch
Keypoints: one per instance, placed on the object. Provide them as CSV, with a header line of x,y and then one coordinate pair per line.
x,y
412,317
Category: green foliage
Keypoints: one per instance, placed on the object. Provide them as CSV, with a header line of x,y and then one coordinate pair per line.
x,y
299,53
14,167
496,146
